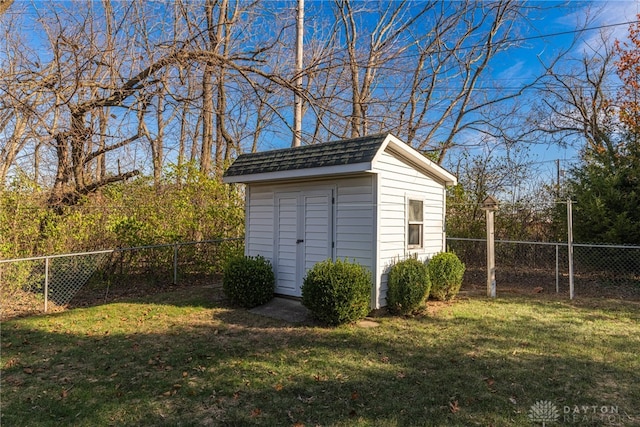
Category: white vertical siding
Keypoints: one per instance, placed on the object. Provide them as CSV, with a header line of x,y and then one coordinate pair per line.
x,y
260,223
352,229
397,183
354,219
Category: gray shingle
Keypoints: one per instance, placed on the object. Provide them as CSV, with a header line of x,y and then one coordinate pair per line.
x,y
344,152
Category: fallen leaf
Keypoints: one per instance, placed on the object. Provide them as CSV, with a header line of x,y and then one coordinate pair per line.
x,y
27,371
490,381
278,387
538,289
513,400
64,393
167,393
185,374
354,395
255,412
453,406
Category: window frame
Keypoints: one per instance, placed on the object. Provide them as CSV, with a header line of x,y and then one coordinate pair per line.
x,y
409,222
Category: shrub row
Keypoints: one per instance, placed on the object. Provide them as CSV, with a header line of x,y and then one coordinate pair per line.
x,y
339,292
411,282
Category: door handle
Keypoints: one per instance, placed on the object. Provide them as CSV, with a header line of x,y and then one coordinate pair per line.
x,y
299,240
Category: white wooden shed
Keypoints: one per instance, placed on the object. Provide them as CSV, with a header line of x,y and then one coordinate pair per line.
x,y
372,199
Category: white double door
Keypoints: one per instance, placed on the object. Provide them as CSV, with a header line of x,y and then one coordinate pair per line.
x,y
303,236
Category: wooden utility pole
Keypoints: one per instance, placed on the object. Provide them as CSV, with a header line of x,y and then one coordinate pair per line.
x,y
490,205
297,99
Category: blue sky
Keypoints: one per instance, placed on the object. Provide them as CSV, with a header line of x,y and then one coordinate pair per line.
x,y
548,33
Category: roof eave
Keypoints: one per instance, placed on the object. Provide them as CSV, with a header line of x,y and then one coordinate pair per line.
x,y
299,173
413,156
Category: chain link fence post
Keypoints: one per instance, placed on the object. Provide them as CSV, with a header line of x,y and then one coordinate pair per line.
x,y
175,264
46,284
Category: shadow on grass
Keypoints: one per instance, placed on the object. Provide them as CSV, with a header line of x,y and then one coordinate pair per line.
x,y
200,362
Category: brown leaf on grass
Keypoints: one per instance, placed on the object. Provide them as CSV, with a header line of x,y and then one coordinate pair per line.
x,y
490,381
320,378
298,424
538,289
453,407
64,393
354,395
236,395
278,387
400,375
185,374
27,371
256,412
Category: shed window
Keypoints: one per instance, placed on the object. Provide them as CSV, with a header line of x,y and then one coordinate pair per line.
x,y
415,224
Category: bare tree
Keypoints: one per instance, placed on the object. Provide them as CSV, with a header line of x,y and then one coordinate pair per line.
x,y
576,104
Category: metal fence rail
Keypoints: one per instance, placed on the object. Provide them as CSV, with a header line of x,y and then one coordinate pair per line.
x,y
41,283
524,266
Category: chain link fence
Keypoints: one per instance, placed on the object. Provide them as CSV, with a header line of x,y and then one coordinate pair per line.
x,y
52,283
543,267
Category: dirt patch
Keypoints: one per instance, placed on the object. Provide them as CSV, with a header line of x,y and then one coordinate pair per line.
x,y
543,283
20,303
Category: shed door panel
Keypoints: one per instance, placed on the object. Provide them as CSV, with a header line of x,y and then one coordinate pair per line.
x,y
303,236
286,247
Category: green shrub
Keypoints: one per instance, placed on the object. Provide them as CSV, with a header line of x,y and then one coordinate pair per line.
x,y
337,293
445,271
248,281
408,286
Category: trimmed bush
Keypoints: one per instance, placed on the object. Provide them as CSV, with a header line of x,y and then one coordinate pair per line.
x,y
445,271
337,293
248,281
408,286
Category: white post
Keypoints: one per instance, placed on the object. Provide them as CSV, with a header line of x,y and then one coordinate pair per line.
x,y
491,258
490,205
570,245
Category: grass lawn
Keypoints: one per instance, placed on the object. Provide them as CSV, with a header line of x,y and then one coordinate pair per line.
x,y
186,358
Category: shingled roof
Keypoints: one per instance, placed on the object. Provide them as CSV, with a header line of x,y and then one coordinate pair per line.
x,y
344,152
355,155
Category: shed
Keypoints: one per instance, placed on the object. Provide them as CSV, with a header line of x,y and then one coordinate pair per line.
x,y
372,199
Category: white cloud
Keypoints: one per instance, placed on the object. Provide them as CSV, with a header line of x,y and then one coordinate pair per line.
x,y
603,13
